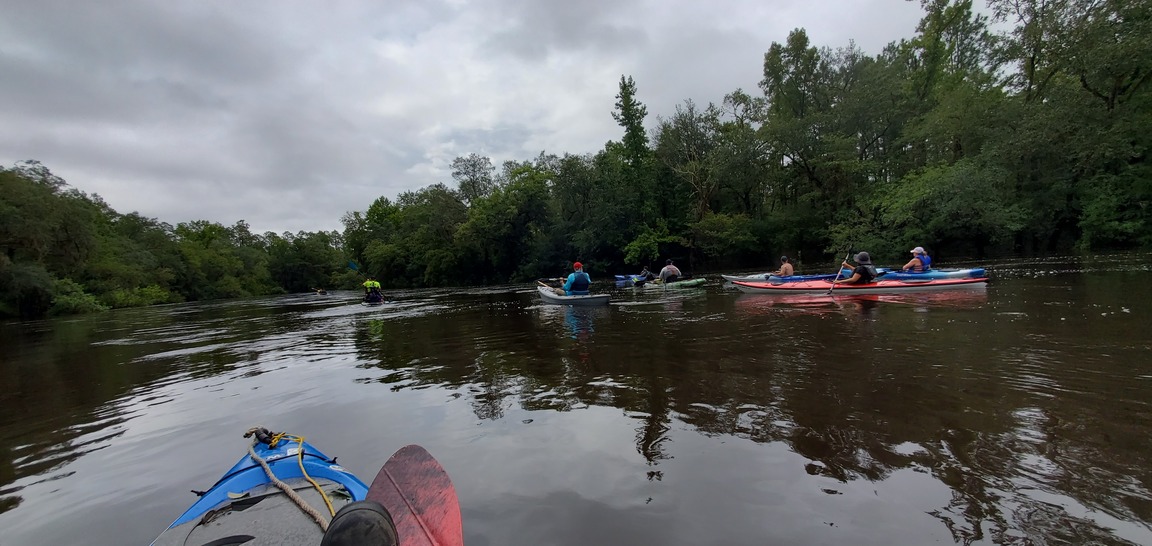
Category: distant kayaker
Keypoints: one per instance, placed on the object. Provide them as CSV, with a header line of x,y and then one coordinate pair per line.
x,y
372,290
862,273
646,275
578,281
920,261
670,272
786,269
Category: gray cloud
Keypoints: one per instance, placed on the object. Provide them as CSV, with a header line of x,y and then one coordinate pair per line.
x,y
536,30
288,114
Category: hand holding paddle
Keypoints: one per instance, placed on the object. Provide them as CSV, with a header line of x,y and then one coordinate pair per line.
x,y
558,291
840,269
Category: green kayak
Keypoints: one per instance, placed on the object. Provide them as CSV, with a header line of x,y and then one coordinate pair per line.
x,y
687,283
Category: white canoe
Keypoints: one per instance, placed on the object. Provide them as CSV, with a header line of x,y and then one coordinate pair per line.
x,y
549,296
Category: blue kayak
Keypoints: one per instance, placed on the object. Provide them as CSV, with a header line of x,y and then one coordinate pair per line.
x,y
245,494
934,274
824,277
623,281
768,277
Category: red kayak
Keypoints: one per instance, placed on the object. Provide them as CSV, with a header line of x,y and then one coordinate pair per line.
x,y
878,287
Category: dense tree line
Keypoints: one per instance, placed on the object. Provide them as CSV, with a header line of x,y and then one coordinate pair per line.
x,y
67,252
962,140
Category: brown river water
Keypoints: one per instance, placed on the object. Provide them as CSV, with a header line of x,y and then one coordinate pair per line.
x,y
1019,413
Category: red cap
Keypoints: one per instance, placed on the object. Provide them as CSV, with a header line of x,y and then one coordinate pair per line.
x,y
577,265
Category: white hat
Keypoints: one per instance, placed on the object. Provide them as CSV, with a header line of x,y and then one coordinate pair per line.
x,y
918,250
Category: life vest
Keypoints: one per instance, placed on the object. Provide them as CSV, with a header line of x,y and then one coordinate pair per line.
x,y
580,282
867,274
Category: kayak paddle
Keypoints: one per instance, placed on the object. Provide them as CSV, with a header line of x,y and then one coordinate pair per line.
x,y
840,269
419,495
558,291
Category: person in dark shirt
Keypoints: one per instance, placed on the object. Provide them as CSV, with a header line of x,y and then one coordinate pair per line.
x,y
862,273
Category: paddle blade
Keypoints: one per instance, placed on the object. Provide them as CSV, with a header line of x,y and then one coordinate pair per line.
x,y
418,493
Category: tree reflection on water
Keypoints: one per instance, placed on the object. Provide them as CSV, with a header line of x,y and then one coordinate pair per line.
x,y
956,411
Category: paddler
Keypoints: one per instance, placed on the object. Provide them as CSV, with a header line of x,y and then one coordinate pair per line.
x,y
670,272
578,281
862,273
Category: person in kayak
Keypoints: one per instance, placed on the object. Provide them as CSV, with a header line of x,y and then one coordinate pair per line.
x,y
372,290
670,272
862,273
370,284
920,261
647,275
578,281
785,270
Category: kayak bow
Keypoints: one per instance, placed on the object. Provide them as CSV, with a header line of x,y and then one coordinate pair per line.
x,y
245,506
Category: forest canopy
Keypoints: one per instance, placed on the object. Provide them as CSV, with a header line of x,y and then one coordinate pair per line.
x,y
965,141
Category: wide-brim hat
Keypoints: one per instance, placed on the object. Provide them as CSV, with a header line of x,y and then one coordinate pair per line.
x,y
863,258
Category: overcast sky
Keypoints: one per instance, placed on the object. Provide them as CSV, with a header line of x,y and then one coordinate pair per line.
x,y
287,114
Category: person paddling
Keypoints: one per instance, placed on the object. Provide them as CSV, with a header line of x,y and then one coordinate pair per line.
x,y
372,290
862,273
578,281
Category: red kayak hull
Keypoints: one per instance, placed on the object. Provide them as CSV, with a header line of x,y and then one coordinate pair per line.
x,y
878,287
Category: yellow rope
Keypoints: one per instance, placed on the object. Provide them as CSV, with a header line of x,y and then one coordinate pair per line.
x,y
300,459
283,486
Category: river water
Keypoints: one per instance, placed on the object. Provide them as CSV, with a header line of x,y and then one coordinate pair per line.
x,y
1015,414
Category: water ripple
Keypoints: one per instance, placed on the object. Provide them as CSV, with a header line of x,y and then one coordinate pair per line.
x,y
1016,414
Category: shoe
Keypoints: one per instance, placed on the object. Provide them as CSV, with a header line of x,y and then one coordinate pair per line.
x,y
361,523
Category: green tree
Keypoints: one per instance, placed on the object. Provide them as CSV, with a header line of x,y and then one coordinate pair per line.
x,y
630,114
504,229
473,175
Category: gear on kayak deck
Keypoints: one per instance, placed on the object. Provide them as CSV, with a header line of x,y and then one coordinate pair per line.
x,y
261,435
268,498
